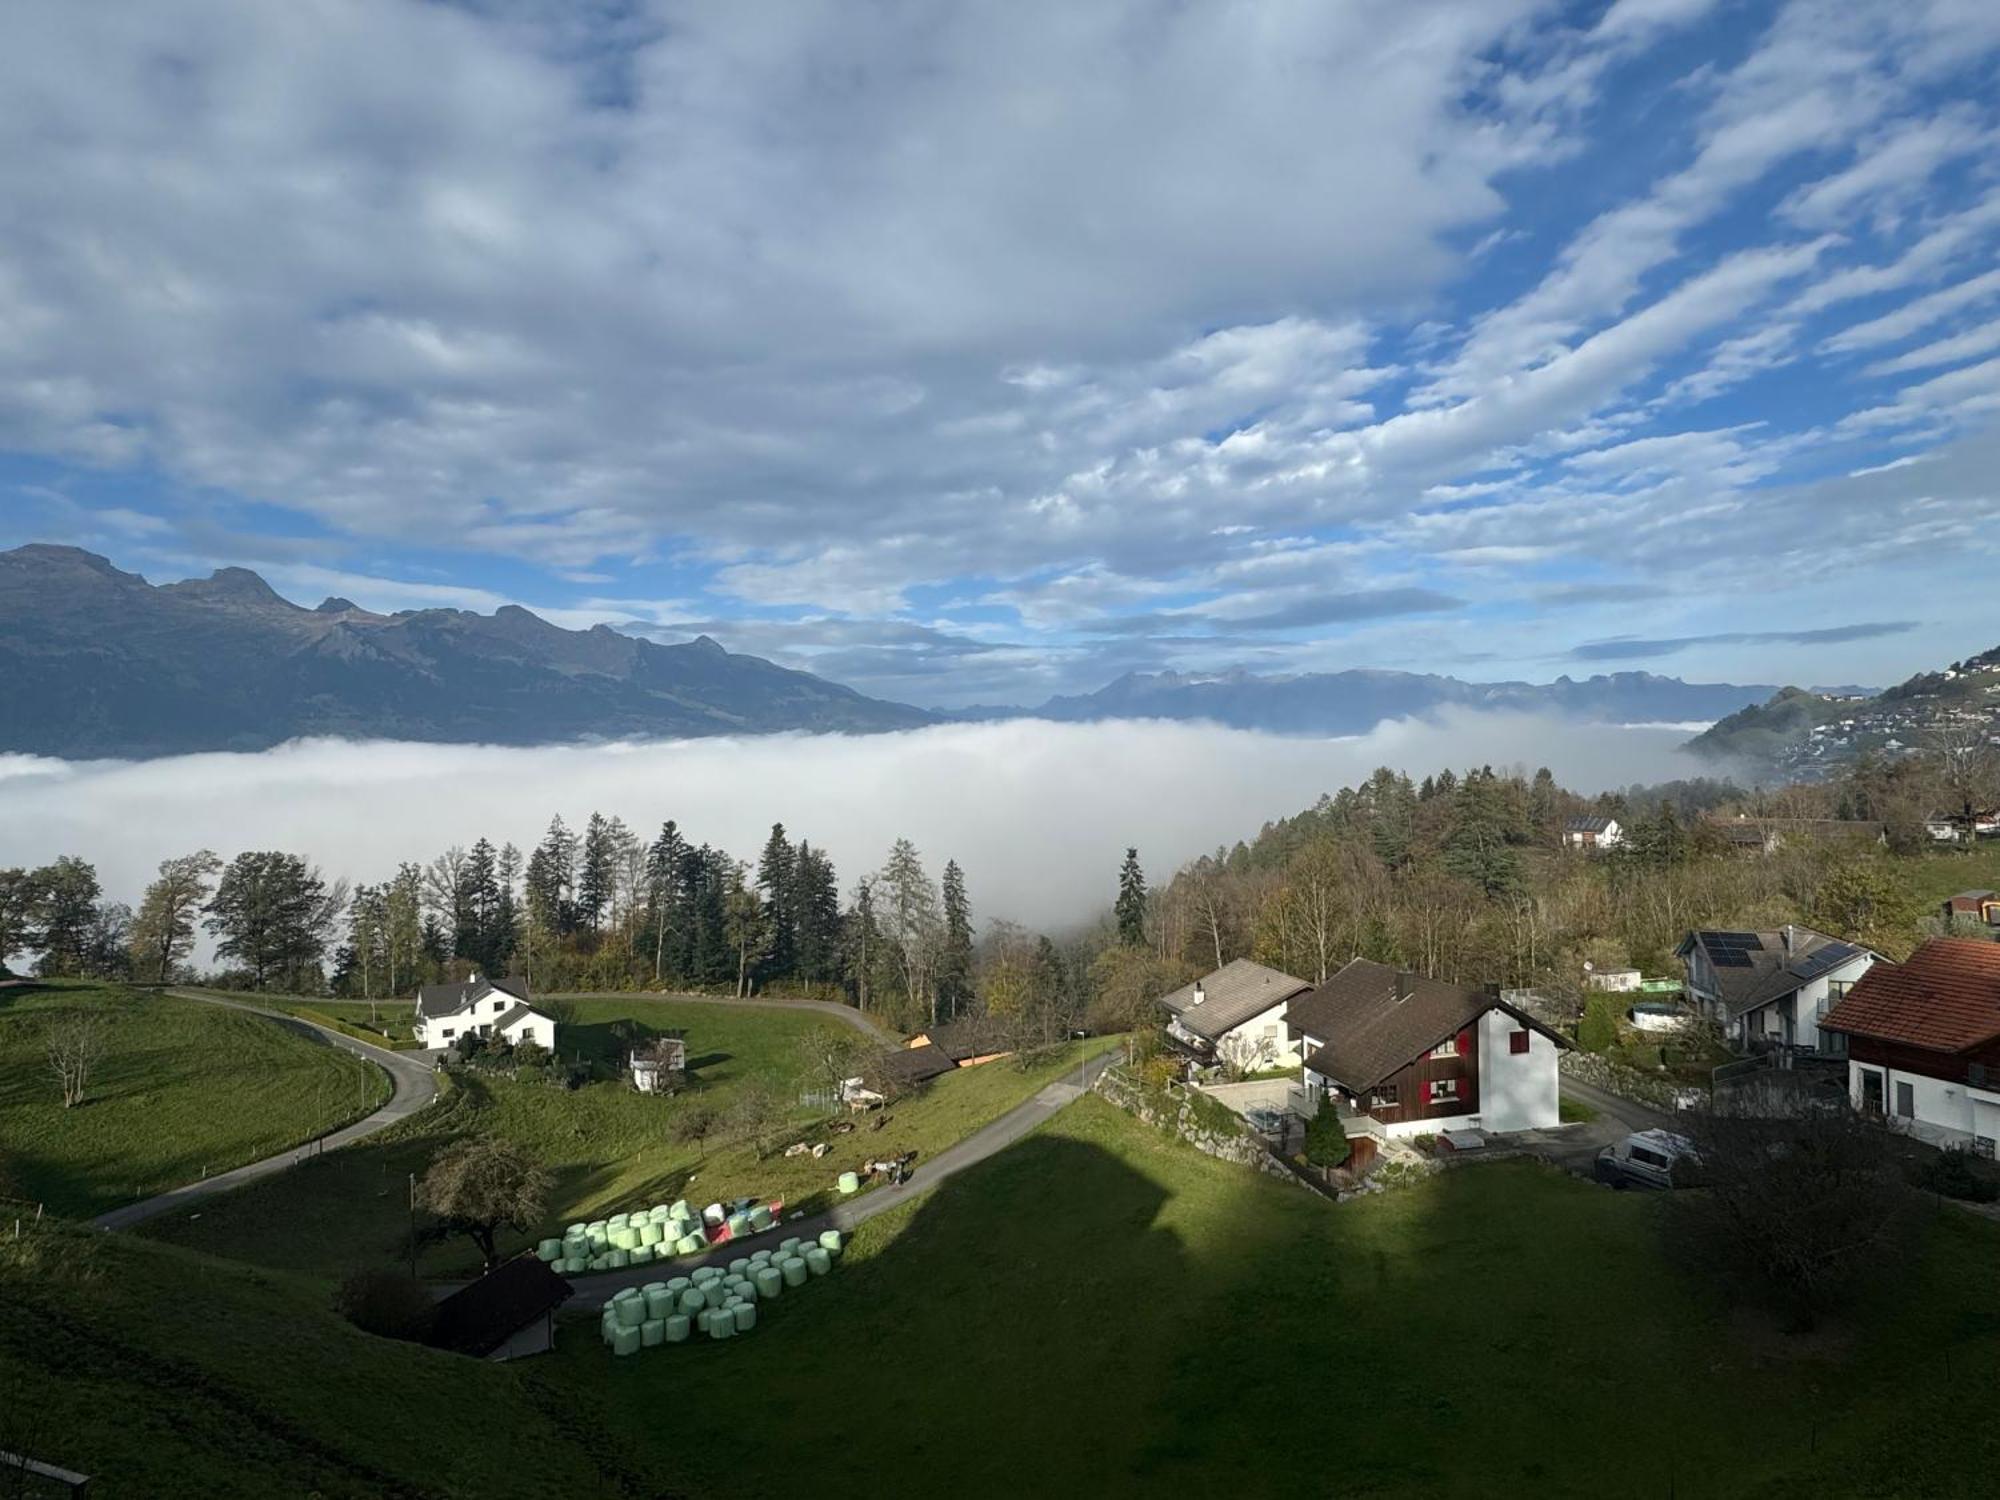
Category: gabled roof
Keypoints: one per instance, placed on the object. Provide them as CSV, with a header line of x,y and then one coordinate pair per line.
x,y
1944,998
910,1066
1588,824
436,1000
968,1036
1971,899
1372,1019
1752,969
1237,992
479,1318
512,1014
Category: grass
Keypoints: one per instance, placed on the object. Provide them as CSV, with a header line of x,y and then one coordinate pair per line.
x,y
608,1147
1119,1313
386,1023
184,1089
1572,1111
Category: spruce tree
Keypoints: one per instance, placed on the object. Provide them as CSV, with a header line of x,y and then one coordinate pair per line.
x,y
777,870
954,977
597,872
1131,905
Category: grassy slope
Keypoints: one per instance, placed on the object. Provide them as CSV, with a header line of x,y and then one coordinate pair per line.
x,y
183,1088
609,1148
166,1374
1133,1314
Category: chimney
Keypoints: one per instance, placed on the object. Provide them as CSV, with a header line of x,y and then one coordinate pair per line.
x,y
1200,994
1491,990
1406,984
1788,938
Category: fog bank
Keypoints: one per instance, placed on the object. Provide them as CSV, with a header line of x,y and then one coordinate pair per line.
x,y
1037,813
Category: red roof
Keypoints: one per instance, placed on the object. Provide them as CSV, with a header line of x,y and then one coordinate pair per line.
x,y
1946,998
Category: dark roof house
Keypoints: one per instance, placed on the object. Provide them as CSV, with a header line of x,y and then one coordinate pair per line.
x,y
966,1039
1743,971
1588,824
1237,992
508,1312
434,1000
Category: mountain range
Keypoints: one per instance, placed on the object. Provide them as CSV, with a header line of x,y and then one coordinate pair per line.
x,y
96,662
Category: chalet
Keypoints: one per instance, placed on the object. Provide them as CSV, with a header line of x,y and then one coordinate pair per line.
x,y
508,1312
896,1070
967,1041
1415,1055
1923,1042
1972,907
1593,833
491,1008
1770,988
661,1067
1236,1015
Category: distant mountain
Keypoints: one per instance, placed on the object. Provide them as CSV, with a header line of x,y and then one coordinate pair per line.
x,y
1353,702
95,662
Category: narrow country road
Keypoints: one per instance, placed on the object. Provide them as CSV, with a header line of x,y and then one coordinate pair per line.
x,y
989,1140
415,1086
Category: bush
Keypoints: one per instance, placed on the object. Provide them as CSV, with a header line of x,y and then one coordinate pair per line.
x,y
1598,1030
1956,1174
390,1304
1326,1138
1157,1074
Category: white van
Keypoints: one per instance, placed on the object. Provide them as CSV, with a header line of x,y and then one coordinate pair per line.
x,y
1645,1159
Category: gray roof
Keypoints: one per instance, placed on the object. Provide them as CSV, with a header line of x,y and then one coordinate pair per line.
x,y
1753,969
1589,824
437,1000
510,1015
1237,992
1367,1032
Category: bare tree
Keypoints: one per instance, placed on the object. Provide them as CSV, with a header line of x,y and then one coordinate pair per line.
x,y
478,1184
77,1041
828,1057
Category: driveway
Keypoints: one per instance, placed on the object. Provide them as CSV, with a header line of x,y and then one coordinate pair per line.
x,y
1574,1147
414,1087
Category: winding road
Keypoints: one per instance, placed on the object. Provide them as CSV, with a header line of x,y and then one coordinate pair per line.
x,y
415,1086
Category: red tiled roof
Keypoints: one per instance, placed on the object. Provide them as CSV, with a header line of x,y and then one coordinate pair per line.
x,y
1946,997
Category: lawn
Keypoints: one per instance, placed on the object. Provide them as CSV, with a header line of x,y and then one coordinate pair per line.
x,y
184,1089
608,1147
1100,1310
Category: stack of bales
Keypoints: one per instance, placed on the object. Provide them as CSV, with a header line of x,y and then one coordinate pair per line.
x,y
636,1238
714,1302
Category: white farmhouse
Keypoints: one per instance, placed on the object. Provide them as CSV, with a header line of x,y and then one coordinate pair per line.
x,y
1236,1016
492,1008
1590,832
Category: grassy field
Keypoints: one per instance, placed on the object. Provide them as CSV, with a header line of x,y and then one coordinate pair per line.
x,y
184,1089
1123,1314
608,1147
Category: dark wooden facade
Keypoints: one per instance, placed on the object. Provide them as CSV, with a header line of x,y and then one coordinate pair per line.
x,y
1952,1067
1412,1081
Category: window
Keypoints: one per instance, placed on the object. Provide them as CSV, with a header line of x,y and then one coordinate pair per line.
x,y
1442,1090
1982,1145
1383,1097
1836,989
1517,1042
1906,1100
1446,1048
447,1033
1650,1158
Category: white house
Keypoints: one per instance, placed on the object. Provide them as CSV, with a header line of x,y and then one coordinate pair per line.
x,y
492,1008
1593,833
1771,988
1417,1056
1236,1016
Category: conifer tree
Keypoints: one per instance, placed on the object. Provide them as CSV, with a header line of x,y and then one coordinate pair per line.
x,y
1131,904
954,976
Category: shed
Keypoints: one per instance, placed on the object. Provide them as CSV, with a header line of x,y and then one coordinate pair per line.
x,y
508,1312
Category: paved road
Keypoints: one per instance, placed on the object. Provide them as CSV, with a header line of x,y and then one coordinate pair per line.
x,y
1574,1147
415,1086
987,1141
846,1015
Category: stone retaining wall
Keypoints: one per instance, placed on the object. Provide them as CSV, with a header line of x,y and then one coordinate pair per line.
x,y
1174,1113
1613,1078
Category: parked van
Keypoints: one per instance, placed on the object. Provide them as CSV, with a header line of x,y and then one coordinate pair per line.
x,y
1647,1159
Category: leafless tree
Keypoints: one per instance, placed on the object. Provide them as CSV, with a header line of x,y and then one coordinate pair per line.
x,y
77,1041
828,1057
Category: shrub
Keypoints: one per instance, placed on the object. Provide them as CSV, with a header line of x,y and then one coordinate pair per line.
x,y
391,1304
1956,1174
1326,1138
1598,1029
1157,1074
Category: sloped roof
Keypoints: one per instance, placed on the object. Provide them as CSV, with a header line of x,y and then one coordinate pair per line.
x,y
968,1036
1237,992
436,1000
1755,968
1588,824
910,1066
1969,899
1944,998
1368,1033
512,1014
479,1318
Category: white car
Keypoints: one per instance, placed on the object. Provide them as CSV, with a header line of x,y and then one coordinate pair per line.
x,y
1646,1159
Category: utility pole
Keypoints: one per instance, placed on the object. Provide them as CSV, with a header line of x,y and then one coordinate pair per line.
x,y
413,1226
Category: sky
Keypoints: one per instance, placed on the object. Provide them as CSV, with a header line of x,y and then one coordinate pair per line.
x,y
977,353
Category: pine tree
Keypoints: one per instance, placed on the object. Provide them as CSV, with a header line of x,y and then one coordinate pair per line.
x,y
861,943
1131,904
551,880
817,913
954,976
777,874
1476,847
597,873
908,908
663,893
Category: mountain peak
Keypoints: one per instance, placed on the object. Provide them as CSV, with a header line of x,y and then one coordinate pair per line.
x,y
708,645
333,604
230,586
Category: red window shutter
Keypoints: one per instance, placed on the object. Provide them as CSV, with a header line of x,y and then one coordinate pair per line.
x,y
1465,1042
1517,1042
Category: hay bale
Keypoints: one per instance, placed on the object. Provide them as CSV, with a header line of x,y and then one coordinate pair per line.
x,y
677,1328
818,1261
746,1316
770,1281
653,1331
625,1341
829,1239
794,1271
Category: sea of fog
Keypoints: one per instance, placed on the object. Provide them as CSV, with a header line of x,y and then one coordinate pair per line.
x,y
1038,814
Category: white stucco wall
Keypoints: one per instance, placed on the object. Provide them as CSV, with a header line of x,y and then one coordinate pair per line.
x,y
1517,1091
1254,1030
535,1027
1807,1006
1944,1113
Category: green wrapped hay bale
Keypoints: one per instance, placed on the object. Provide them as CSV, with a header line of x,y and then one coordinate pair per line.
x,y
618,1260
642,1256
631,1310
549,1250
659,1212
786,1247
600,1263
625,1341
677,1328
770,1281
680,1209
739,1225
714,1294
849,1183
818,1261
692,1300
651,1287
721,1324
794,1270
702,1319
706,1273
650,1233
760,1217
760,1258
739,1265
829,1239
576,1229
690,1244
660,1303
746,1316
653,1331
679,1284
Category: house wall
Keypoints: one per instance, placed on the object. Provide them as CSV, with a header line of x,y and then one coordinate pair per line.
x,y
534,1027
1253,1032
1946,1110
1518,1091
1413,1113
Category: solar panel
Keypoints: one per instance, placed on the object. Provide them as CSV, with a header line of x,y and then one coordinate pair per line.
x,y
1732,958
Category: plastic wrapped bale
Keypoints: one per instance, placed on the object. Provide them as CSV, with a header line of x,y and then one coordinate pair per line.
x,y
849,1183
760,1217
574,1230
653,1331
829,1239
549,1251
690,1244
625,1341
650,1233
624,1237
692,1300
786,1247
679,1284
702,1319
630,1307
739,1226
617,1221
739,1265
794,1270
721,1324
659,1212
770,1281
761,1258
607,1321
746,1316
714,1294
618,1260
680,1209
660,1302
818,1261
600,1262
641,1256
677,1328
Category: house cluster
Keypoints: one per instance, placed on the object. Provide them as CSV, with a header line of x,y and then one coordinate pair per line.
x,y
499,1009
1974,909
1399,1053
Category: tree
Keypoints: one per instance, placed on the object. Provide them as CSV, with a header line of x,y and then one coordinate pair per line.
x,y
1860,898
1326,1143
907,903
1130,908
663,910
861,942
270,913
777,879
1127,984
389,1304
828,1057
596,876
76,1041
760,1116
67,910
20,903
816,905
163,930
1476,847
481,1184
954,975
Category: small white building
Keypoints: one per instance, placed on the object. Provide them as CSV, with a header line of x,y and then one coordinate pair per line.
x,y
1236,1016
498,1009
1591,832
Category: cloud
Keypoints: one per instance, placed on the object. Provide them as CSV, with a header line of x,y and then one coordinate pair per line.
x,y
1037,813
1623,648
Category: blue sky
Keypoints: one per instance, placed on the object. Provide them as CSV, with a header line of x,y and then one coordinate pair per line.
x,y
974,354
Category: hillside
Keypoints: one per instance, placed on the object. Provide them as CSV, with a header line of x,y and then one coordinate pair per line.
x,y
101,663
1808,735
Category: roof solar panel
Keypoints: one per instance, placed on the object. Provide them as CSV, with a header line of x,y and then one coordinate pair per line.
x,y
1732,958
